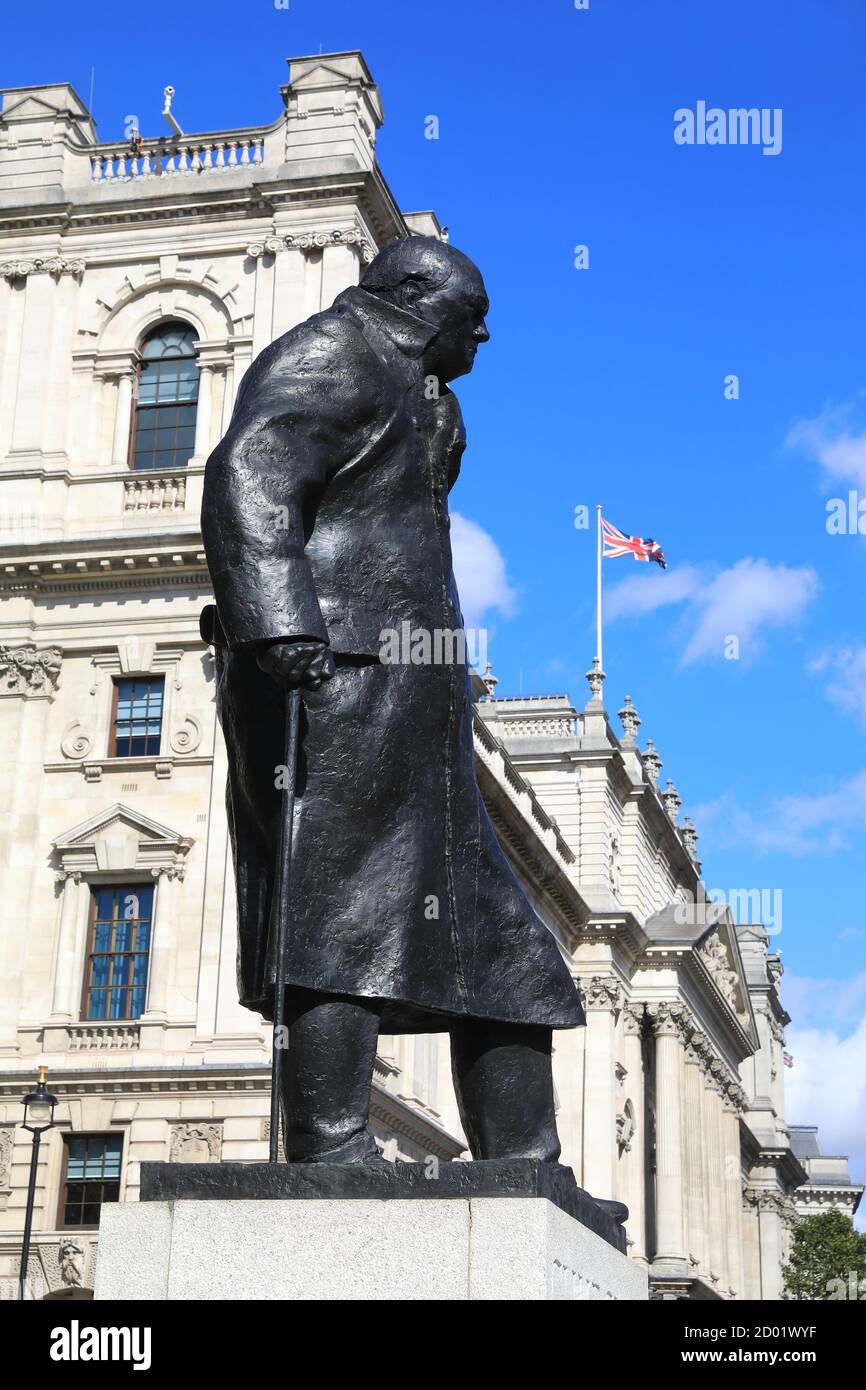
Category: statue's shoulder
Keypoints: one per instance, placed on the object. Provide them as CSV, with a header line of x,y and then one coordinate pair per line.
x,y
324,345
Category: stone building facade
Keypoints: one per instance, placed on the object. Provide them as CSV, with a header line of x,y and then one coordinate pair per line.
x,y
137,282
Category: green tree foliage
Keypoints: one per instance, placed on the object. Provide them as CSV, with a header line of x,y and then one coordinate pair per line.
x,y
826,1252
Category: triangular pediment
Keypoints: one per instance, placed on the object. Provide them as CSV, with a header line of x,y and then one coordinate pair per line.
x,y
118,820
120,840
35,103
322,75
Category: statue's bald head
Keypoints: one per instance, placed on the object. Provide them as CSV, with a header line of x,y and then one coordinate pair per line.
x,y
435,282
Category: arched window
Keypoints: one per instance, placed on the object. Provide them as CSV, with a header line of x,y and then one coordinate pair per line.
x,y
164,432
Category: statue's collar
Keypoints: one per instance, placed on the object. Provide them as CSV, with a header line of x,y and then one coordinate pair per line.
x,y
409,333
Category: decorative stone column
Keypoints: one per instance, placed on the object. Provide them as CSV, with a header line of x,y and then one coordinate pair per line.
x,y
770,1205
731,1103
716,1174
602,997
122,421
633,1158
163,936
201,448
667,1021
67,985
695,1157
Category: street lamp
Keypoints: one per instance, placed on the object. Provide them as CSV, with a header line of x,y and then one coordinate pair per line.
x,y
38,1117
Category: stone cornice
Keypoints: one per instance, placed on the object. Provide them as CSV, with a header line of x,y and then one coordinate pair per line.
x,y
105,564
405,1120
230,196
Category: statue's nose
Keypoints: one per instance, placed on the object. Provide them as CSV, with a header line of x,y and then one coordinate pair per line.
x,y
482,333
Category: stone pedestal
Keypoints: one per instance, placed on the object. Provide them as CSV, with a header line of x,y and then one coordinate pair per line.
x,y
475,1232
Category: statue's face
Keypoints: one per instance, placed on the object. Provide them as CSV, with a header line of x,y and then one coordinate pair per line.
x,y
458,310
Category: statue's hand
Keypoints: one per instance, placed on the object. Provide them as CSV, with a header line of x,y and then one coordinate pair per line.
x,y
297,663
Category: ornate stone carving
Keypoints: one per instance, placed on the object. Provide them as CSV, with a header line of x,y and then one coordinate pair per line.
x,y
76,745
187,737
714,954
337,236
314,241
595,678
489,681
270,246
72,1256
626,1126
632,1019
25,670
172,871
668,1019
718,1077
52,265
195,1143
601,992
768,1200
671,801
630,720
690,837
698,1050
652,763
7,1138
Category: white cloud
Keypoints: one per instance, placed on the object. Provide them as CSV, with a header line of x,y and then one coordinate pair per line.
x,y
827,1087
742,601
644,592
479,567
844,669
819,823
834,442
827,1003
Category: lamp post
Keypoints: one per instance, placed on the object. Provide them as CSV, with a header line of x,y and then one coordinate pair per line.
x,y
38,1117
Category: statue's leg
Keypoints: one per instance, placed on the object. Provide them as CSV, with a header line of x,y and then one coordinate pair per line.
x,y
504,1085
326,1077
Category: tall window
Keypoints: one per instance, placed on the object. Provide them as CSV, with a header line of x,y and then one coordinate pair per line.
x,y
136,717
91,1177
164,435
115,978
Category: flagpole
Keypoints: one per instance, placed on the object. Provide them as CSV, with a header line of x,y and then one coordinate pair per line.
x,y
598,593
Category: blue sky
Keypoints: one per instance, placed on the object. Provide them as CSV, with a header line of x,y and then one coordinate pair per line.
x,y
607,385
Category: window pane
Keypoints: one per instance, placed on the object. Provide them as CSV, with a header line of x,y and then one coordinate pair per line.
x,y
117,964
168,376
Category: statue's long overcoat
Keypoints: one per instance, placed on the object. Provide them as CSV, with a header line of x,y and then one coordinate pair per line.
x,y
325,515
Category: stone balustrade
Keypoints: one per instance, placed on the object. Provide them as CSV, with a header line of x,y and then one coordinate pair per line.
x,y
126,162
160,494
102,1037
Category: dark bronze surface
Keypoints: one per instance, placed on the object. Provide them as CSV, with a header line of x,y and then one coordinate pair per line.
x,y
325,521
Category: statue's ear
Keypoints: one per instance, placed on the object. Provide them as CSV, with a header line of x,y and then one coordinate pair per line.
x,y
411,293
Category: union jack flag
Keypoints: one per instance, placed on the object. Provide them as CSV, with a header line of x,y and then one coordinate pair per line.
x,y
787,1059
617,543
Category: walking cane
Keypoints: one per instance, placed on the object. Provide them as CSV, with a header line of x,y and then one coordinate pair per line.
x,y
281,900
